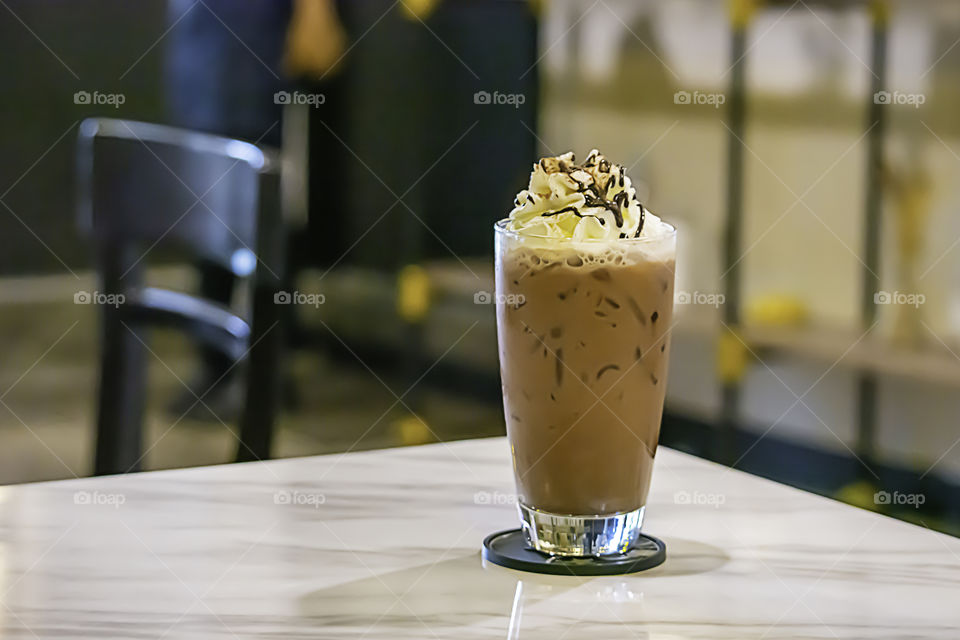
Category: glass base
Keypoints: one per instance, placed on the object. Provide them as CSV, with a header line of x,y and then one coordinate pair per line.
x,y
579,536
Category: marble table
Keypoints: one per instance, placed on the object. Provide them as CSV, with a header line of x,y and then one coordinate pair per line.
x,y
386,544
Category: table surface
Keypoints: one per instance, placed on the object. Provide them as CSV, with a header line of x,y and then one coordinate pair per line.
x,y
385,544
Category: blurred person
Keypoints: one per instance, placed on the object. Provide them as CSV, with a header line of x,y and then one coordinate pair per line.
x,y
223,66
225,60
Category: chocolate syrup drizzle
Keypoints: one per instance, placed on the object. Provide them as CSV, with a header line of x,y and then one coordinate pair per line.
x,y
595,195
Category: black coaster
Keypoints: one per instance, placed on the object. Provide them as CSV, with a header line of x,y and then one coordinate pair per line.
x,y
510,549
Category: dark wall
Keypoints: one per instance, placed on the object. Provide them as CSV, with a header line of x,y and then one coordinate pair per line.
x,y
403,99
97,43
414,121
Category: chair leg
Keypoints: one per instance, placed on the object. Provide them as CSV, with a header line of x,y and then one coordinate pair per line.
x,y
263,379
123,381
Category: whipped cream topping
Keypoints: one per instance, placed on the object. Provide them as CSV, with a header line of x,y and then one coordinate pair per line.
x,y
590,201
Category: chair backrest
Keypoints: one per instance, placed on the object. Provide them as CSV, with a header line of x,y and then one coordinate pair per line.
x,y
145,184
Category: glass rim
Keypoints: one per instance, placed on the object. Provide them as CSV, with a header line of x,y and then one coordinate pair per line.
x,y
500,226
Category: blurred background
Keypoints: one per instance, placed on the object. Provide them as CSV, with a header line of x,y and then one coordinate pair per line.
x,y
807,151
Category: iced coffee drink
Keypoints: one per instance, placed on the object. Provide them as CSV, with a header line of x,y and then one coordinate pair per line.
x,y
584,280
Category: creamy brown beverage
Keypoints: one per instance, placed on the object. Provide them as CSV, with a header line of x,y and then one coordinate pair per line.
x,y
584,279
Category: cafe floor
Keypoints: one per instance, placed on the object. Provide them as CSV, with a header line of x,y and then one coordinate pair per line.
x,y
48,380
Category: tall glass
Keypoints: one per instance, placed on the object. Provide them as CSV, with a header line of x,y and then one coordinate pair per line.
x,y
584,337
